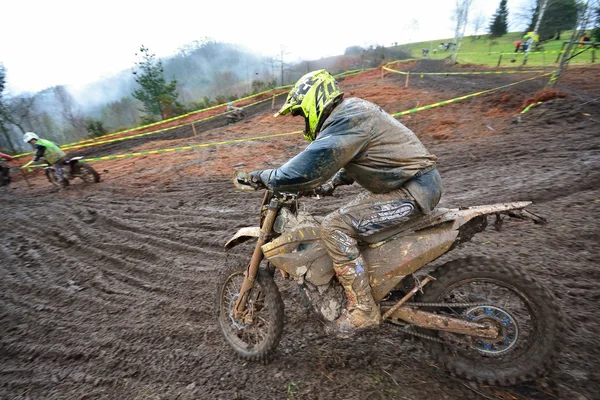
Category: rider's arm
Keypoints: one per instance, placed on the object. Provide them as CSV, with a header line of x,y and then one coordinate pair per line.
x,y
335,146
39,153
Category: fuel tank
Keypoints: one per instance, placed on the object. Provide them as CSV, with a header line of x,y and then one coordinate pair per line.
x,y
300,252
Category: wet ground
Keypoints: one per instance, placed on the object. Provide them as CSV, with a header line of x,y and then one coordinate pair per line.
x,y
107,291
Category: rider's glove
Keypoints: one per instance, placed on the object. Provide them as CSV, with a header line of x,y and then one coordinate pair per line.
x,y
255,181
325,190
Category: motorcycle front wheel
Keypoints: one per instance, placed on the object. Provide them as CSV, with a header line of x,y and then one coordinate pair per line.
x,y
256,334
51,175
527,318
87,173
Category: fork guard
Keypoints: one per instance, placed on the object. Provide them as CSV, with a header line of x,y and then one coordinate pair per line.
x,y
243,235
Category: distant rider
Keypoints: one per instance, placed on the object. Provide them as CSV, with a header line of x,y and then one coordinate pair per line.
x,y
50,151
355,140
235,113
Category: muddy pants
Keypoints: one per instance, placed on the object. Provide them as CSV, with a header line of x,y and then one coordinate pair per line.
x,y
59,167
367,214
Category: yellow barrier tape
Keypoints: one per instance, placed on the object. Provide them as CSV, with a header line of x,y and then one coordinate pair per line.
x,y
529,107
496,72
442,103
96,141
152,132
191,147
201,145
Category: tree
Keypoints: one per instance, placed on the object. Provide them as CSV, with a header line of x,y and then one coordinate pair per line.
x,y
13,111
461,14
596,29
71,113
499,25
122,113
477,23
158,97
559,15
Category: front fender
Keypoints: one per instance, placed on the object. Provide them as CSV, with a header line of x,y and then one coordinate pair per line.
x,y
243,235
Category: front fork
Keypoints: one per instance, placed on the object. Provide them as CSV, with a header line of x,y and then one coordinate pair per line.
x,y
265,232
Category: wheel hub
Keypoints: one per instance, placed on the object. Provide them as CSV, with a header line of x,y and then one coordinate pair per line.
x,y
508,331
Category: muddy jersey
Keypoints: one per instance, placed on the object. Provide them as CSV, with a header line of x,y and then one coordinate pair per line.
x,y
361,142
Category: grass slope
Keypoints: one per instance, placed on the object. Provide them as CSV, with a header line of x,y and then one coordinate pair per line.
x,y
483,50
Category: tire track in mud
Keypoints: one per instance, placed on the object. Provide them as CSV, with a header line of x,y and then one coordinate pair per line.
x,y
124,274
108,292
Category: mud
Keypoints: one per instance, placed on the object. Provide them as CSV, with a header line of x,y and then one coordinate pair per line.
x,y
107,290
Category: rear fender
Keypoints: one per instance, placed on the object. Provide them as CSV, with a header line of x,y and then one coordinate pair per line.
x,y
243,235
73,161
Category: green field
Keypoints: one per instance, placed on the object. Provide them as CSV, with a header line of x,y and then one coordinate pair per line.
x,y
482,50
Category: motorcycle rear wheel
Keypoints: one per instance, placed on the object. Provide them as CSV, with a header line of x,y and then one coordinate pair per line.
x,y
258,334
526,314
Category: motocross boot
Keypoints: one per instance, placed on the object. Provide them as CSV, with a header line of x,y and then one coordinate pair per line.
x,y
361,311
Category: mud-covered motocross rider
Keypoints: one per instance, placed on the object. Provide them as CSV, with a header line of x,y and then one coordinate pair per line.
x,y
353,140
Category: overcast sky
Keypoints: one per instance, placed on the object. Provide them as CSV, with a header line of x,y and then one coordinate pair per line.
x,y
61,42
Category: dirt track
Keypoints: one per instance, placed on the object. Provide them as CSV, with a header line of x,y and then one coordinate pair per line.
x,y
107,291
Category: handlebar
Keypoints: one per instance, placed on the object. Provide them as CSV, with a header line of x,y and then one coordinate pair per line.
x,y
241,180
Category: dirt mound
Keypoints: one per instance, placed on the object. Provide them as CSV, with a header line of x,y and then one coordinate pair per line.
x,y
544,95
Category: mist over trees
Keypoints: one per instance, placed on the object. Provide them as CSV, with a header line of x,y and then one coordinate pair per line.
x,y
206,73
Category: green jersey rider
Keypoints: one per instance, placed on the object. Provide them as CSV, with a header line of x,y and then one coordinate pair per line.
x,y
50,151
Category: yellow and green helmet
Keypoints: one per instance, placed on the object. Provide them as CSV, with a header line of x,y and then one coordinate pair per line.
x,y
310,97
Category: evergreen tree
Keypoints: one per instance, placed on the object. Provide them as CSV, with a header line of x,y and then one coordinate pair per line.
x,y
158,97
560,15
499,25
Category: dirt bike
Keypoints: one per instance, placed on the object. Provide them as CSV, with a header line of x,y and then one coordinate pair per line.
x,y
481,320
74,169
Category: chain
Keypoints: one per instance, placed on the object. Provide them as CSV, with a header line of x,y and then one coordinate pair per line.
x,y
449,305
401,328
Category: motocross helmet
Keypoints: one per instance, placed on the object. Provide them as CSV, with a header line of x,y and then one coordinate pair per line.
x,y
30,135
310,97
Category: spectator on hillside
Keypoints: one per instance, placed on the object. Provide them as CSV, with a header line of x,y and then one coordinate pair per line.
x,y
517,45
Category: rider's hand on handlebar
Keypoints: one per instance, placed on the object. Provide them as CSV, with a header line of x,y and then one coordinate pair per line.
x,y
255,181
325,190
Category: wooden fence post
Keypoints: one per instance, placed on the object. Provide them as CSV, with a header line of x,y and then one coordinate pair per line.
x,y
406,83
193,128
